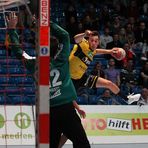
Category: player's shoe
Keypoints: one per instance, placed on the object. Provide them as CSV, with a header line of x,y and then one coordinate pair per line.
x,y
133,98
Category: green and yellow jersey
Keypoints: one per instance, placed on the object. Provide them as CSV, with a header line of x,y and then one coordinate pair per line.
x,y
80,57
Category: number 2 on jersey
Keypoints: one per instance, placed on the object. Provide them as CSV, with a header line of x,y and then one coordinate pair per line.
x,y
55,74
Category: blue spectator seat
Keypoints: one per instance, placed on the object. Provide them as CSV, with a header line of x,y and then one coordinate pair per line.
x,y
19,99
3,70
93,100
120,100
10,62
2,52
100,91
81,100
24,80
3,100
29,90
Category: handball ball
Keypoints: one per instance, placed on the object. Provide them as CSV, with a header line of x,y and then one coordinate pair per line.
x,y
120,55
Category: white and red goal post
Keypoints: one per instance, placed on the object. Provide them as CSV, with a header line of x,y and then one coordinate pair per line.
x,y
43,58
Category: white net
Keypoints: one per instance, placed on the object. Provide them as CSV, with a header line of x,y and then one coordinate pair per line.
x,y
7,4
17,85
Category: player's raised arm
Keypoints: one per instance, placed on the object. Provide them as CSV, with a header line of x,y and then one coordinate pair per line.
x,y
12,20
79,37
15,46
62,36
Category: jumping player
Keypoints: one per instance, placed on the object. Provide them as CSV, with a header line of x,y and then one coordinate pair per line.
x,y
81,56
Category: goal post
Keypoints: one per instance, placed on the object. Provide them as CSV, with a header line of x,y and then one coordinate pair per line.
x,y
43,75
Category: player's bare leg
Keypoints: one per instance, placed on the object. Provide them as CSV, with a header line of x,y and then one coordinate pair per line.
x,y
107,84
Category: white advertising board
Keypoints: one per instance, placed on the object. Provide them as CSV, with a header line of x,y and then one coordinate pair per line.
x,y
17,125
116,124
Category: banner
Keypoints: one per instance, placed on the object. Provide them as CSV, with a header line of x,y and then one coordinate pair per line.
x,y
17,125
116,124
103,124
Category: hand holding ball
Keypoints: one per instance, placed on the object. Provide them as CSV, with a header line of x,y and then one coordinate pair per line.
x,y
118,53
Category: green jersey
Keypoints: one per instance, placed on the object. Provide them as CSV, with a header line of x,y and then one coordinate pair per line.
x,y
62,90
16,48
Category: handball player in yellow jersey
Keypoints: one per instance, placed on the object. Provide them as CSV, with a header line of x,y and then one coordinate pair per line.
x,y
81,56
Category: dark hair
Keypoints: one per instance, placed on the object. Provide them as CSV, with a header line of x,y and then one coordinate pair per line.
x,y
95,33
54,46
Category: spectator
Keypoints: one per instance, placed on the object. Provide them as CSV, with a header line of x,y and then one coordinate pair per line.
x,y
122,36
129,78
133,9
131,40
141,35
129,54
106,98
143,98
145,8
80,27
70,11
116,25
97,70
144,56
72,27
119,8
128,73
131,21
83,92
105,38
144,75
91,11
111,73
129,30
114,43
139,99
87,22
104,15
131,43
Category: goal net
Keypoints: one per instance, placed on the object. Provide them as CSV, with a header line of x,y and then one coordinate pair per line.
x,y
21,90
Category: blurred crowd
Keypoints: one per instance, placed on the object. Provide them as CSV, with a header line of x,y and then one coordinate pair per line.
x,y
120,23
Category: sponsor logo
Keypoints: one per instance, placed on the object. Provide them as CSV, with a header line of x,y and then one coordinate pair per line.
x,y
86,60
22,120
44,13
119,124
44,50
